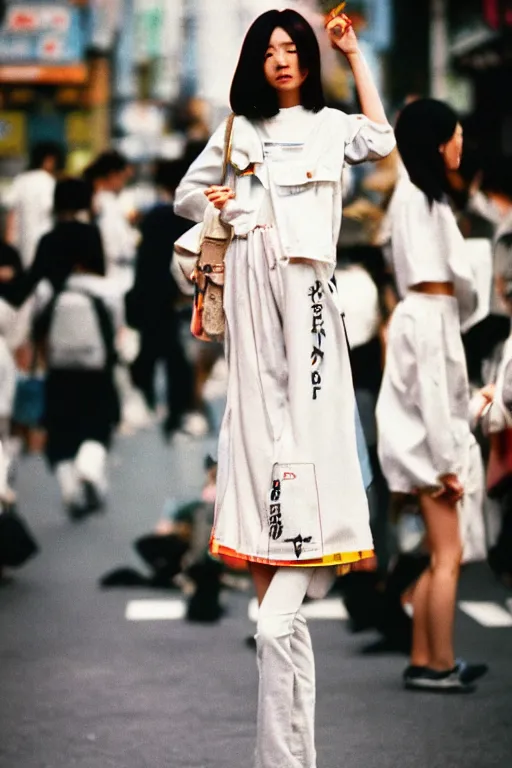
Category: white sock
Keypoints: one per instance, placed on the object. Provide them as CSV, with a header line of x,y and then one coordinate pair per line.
x,y
91,465
69,482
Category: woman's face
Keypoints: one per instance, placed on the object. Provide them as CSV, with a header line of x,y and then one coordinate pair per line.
x,y
281,65
452,150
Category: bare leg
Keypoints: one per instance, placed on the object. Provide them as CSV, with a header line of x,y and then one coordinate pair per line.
x,y
420,654
443,534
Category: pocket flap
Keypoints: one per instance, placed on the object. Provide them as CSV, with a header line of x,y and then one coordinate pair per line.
x,y
297,174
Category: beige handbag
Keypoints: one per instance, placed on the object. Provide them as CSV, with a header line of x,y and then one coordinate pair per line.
x,y
203,264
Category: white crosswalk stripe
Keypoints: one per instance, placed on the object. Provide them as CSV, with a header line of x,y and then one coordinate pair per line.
x,y
486,613
155,610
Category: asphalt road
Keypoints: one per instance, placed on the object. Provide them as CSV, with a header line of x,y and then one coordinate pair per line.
x,y
83,685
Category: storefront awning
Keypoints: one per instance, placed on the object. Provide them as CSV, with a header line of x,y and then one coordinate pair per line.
x,y
65,74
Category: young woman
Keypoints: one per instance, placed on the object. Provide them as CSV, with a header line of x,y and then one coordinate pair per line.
x,y
290,493
425,443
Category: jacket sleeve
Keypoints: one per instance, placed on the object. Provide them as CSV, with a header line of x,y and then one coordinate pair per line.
x,y
206,170
433,394
367,140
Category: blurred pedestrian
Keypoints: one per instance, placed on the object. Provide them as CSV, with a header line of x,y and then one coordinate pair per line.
x,y
153,303
425,443
287,447
108,176
76,332
30,200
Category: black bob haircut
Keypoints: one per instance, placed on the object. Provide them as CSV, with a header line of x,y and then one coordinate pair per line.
x,y
169,173
42,151
71,196
422,127
251,95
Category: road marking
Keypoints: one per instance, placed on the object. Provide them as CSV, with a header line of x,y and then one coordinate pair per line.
x,y
487,614
155,610
331,608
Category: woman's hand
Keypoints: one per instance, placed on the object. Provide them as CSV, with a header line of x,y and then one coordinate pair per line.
x,y
347,41
488,392
452,490
219,195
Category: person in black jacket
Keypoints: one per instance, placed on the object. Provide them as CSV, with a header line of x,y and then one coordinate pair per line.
x,y
151,305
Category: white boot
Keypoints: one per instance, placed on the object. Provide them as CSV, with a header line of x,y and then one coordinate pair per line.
x,y
71,488
91,469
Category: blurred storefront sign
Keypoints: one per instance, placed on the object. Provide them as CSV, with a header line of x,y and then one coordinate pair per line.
x,y
44,75
13,134
45,32
42,43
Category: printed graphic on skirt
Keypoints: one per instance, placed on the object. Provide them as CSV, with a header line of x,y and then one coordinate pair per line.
x,y
316,294
294,529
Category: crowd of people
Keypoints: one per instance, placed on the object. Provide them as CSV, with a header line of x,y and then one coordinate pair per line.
x,y
88,309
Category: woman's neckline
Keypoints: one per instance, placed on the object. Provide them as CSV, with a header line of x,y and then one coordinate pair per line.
x,y
289,110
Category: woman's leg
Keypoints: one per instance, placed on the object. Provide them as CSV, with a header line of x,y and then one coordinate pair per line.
x,y
420,653
286,688
446,551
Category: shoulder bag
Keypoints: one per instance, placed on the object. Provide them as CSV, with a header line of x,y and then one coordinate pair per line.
x,y
203,263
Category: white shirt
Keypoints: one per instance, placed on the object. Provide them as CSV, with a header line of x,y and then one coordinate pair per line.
x,y
31,199
427,245
119,238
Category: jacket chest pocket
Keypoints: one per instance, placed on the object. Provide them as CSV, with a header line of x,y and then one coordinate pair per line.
x,y
291,179
303,202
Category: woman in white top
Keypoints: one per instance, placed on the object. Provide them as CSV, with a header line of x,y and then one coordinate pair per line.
x,y
290,490
423,409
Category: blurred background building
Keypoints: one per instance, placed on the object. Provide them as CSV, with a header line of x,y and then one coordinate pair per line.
x,y
144,73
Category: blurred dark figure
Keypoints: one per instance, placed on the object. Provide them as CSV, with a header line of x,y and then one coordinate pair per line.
x,y
151,305
11,270
72,239
490,201
374,600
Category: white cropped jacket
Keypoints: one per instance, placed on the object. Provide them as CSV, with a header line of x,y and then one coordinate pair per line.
x,y
306,192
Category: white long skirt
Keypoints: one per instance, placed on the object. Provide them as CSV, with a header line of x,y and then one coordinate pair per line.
x,y
418,412
290,489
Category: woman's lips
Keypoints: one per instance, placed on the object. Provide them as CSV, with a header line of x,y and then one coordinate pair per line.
x,y
283,77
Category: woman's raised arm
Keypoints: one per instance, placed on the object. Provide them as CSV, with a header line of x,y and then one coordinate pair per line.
x,y
371,103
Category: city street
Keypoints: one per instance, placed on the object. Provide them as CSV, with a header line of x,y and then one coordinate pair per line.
x,y
92,679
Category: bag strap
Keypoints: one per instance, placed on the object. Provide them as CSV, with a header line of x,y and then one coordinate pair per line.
x,y
228,143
